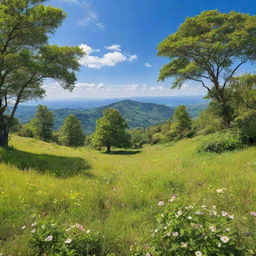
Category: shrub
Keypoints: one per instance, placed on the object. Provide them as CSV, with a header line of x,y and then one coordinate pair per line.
x,y
49,238
26,131
246,124
194,229
220,142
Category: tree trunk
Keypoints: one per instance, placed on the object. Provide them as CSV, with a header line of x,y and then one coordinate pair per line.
x,y
108,148
4,136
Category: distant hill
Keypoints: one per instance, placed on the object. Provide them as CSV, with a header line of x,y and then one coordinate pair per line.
x,y
137,114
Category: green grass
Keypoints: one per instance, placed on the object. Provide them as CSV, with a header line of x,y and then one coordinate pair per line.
x,y
116,193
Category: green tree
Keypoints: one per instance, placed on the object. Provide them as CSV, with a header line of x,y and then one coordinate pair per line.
x,y
43,123
111,130
71,133
180,124
26,58
209,49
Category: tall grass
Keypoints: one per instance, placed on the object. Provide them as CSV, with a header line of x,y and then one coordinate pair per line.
x,y
116,194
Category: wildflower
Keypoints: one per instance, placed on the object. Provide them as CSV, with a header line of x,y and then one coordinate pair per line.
x,y
220,190
199,213
214,213
231,217
156,230
33,231
168,234
189,217
174,234
160,203
213,228
48,238
203,206
34,224
148,254
198,253
68,241
219,245
224,239
253,214
23,227
228,229
224,214
214,207
179,213
172,199
88,231
1,254
183,245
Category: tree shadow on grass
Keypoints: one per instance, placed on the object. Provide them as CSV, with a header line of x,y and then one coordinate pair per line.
x,y
123,152
59,166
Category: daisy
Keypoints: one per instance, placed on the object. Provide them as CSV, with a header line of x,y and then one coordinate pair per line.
x,y
224,239
48,238
68,241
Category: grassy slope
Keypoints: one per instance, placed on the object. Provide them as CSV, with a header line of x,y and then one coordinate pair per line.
x,y
117,193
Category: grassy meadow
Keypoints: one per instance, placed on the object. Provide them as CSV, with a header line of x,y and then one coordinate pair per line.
x,y
116,193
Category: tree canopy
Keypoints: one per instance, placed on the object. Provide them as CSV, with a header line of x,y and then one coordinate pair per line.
x,y
71,133
26,58
209,49
111,130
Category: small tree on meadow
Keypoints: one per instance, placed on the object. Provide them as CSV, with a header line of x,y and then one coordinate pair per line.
x,y
43,123
181,123
111,131
71,133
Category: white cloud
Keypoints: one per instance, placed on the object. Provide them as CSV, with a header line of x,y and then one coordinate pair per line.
x,y
90,16
109,59
114,47
148,65
99,90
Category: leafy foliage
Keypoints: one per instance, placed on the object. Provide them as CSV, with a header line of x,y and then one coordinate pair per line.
x,y
220,142
50,238
71,133
43,123
111,131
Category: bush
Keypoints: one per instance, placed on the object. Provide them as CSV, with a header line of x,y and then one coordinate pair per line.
x,y
49,238
194,229
246,124
220,142
26,131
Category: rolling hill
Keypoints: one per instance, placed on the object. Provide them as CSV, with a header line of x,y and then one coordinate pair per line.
x,y
137,114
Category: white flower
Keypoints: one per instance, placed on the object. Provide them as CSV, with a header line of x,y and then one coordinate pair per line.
x,y
231,217
34,224
168,234
213,228
179,213
203,206
1,254
214,213
228,229
220,190
48,238
199,213
224,239
23,227
183,245
224,214
148,254
214,207
156,230
160,203
175,234
198,253
33,231
172,199
68,241
189,217
88,231
219,245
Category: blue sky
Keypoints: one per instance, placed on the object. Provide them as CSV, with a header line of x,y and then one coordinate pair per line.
x,y
120,38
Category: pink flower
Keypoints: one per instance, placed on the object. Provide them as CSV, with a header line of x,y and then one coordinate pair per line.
x,y
253,214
